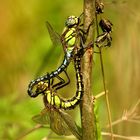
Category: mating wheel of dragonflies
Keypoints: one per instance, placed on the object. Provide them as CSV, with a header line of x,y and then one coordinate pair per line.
x,y
72,34
59,121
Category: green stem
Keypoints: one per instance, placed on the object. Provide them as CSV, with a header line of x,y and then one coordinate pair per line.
x,y
106,95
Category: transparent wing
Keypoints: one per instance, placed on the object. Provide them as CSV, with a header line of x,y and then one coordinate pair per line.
x,y
75,130
42,118
50,116
57,123
55,37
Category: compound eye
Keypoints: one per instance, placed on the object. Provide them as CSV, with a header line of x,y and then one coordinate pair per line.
x,y
71,21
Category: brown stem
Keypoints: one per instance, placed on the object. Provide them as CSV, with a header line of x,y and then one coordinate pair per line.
x,y
87,104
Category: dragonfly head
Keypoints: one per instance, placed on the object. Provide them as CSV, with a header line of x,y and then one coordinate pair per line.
x,y
72,21
41,87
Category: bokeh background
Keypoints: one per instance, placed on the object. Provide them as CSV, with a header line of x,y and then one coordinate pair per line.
x,y
26,51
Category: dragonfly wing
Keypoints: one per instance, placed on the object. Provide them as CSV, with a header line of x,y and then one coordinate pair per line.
x,y
58,125
55,37
42,118
75,130
52,117
56,41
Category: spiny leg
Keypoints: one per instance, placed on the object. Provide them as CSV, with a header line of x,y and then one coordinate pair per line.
x,y
83,47
61,81
58,86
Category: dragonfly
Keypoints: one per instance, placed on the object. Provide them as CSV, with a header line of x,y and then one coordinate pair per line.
x,y
72,34
60,122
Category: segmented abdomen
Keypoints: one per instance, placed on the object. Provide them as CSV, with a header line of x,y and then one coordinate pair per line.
x,y
33,83
52,99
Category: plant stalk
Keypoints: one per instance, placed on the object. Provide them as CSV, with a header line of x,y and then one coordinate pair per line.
x,y
88,126
104,84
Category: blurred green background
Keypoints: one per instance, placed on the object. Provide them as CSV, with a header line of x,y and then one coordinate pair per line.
x,y
24,42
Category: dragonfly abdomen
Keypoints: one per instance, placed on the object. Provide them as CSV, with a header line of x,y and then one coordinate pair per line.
x,y
67,59
52,99
63,66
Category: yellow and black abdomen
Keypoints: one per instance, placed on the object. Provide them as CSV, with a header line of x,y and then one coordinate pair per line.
x,y
52,99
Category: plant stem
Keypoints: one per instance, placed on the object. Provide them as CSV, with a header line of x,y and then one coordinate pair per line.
x,y
106,95
104,84
38,126
87,103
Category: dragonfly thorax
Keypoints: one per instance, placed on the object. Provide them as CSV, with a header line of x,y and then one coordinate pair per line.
x,y
70,37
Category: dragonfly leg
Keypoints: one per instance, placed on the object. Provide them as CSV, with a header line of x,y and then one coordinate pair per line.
x,y
62,82
84,47
82,36
86,32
